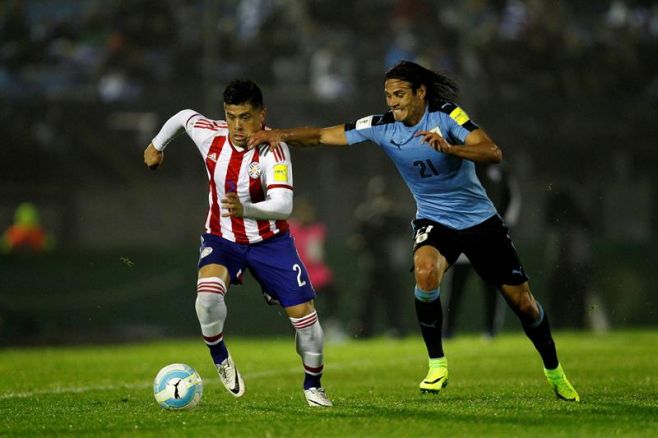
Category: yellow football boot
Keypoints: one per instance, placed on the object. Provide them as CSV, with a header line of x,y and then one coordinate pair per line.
x,y
561,385
437,376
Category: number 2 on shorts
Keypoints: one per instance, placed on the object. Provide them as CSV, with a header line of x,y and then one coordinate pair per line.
x,y
298,269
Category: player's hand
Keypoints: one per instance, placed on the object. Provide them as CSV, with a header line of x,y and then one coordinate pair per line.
x,y
270,136
152,157
231,205
435,141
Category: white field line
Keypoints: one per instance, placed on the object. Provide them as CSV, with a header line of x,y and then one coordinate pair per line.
x,y
206,382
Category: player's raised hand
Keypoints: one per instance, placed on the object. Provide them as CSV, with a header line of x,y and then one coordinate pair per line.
x,y
152,157
231,205
435,141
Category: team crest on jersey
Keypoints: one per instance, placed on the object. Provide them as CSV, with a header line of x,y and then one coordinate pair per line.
x,y
281,173
255,170
205,252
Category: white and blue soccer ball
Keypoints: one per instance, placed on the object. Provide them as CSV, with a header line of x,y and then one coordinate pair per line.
x,y
178,386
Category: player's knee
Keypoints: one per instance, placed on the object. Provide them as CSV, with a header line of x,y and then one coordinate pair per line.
x,y
300,311
210,304
211,313
427,276
207,303
428,269
527,307
211,285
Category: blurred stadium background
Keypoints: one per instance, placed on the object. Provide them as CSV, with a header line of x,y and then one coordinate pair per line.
x,y
569,89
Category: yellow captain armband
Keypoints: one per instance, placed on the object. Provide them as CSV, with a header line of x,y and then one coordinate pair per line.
x,y
459,116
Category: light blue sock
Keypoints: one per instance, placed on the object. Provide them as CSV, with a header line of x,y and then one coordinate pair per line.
x,y
427,296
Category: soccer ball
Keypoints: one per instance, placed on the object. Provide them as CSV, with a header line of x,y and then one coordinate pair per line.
x,y
178,386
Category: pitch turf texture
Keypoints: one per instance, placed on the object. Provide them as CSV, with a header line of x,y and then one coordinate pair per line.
x,y
496,389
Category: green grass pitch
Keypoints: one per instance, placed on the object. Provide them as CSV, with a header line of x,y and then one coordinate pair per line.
x,y
496,389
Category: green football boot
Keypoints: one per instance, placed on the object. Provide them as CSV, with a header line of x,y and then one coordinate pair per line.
x,y
437,376
561,385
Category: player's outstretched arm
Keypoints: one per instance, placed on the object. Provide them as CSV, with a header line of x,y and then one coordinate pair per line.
x,y
152,157
331,136
154,153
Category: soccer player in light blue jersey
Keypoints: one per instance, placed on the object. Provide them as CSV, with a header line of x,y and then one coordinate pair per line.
x,y
435,145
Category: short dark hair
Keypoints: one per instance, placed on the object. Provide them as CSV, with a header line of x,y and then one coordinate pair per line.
x,y
241,91
439,86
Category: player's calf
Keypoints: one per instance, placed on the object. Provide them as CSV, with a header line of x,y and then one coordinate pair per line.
x,y
211,312
309,340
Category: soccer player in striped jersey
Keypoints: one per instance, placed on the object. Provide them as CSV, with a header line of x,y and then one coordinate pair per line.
x,y
251,196
435,145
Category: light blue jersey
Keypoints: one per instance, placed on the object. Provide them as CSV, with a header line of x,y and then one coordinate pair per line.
x,y
445,187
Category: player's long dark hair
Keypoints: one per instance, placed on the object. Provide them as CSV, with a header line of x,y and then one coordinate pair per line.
x,y
241,91
439,87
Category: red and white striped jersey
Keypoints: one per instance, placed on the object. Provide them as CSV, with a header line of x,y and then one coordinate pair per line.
x,y
249,173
